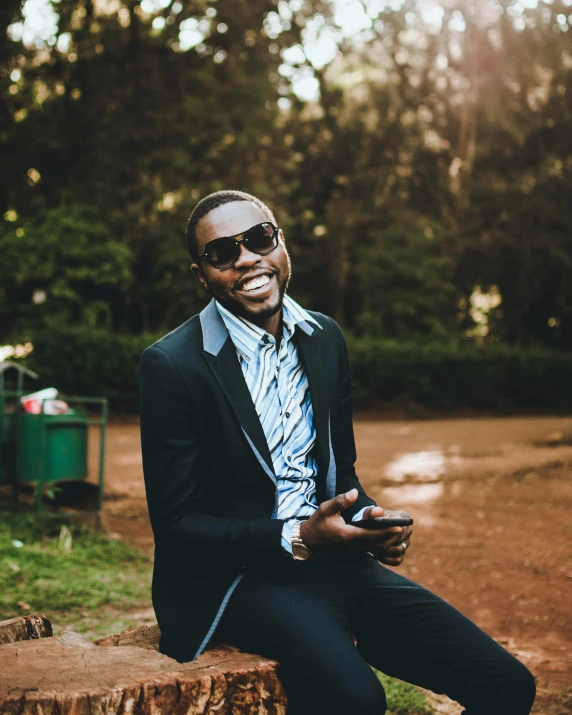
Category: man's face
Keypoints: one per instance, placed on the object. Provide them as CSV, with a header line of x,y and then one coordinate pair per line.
x,y
231,285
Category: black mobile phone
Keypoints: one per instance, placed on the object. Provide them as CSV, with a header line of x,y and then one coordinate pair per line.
x,y
383,522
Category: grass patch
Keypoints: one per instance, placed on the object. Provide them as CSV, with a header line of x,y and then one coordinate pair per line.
x,y
403,698
80,579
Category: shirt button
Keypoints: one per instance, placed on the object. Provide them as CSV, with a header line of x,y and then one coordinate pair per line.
x,y
265,339
287,414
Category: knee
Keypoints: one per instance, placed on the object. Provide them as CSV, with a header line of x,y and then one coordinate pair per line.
x,y
521,688
341,698
506,687
365,698
513,690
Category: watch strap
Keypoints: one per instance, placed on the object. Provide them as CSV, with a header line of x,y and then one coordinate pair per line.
x,y
298,542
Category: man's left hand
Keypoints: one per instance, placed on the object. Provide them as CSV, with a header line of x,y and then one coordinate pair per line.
x,y
393,550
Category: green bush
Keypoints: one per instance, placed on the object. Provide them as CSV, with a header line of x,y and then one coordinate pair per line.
x,y
443,376
91,363
437,376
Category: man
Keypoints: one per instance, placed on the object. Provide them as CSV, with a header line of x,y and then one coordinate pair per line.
x,y
248,454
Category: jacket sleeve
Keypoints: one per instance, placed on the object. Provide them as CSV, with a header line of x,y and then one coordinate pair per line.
x,y
175,476
343,442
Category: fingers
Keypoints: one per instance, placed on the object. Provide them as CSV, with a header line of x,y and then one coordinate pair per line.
x,y
397,552
373,511
394,555
384,539
388,561
338,503
400,535
407,531
381,540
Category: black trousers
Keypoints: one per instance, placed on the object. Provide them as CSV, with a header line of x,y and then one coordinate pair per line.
x,y
305,615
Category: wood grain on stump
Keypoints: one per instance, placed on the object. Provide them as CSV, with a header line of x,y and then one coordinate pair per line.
x,y
67,676
24,628
142,637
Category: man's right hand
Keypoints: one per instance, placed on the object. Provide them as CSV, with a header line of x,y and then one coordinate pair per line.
x,y
326,529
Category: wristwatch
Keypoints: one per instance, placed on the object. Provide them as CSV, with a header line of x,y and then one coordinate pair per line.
x,y
300,551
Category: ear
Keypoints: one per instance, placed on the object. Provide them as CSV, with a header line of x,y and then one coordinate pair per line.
x,y
281,237
199,275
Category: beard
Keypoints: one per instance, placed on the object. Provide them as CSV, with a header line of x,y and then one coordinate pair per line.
x,y
264,311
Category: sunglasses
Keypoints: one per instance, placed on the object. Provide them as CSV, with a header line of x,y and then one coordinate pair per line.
x,y
224,252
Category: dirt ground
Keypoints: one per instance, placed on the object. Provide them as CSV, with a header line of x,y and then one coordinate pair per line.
x,y
491,499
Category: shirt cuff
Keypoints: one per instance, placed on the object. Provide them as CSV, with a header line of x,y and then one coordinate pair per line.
x,y
286,538
359,515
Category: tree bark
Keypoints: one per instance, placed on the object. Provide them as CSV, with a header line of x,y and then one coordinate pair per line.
x,y
24,628
69,675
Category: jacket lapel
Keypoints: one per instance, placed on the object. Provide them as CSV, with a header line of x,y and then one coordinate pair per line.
x,y
312,356
220,355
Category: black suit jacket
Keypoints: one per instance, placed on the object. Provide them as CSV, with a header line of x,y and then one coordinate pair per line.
x,y
209,479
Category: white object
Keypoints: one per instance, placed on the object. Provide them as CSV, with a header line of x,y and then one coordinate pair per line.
x,y
48,393
55,407
33,402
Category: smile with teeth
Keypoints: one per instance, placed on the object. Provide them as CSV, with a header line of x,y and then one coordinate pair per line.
x,y
255,283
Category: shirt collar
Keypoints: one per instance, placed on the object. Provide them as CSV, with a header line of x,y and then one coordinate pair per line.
x,y
248,337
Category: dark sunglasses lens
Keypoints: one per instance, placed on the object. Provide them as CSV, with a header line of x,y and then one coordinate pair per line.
x,y
261,239
223,252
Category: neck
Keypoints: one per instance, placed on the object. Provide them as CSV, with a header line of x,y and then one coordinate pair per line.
x,y
272,325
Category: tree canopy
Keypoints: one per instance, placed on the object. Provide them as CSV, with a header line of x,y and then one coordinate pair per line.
x,y
418,157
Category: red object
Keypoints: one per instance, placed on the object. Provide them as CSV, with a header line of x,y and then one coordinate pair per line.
x,y
34,407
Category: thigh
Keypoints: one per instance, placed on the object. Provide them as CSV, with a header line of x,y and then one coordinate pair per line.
x,y
408,632
307,631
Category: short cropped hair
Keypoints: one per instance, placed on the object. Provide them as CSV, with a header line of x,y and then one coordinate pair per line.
x,y
213,201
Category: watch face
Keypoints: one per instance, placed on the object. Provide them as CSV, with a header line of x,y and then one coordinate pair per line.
x,y
301,552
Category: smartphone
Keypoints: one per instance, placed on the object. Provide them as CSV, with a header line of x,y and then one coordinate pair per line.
x,y
383,522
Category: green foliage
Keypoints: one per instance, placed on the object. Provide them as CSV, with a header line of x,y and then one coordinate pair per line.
x,y
452,375
405,285
114,128
94,574
439,375
104,364
403,698
67,258
138,129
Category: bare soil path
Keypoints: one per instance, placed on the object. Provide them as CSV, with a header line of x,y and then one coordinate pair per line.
x,y
491,499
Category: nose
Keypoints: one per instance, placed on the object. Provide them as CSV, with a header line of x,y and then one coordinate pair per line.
x,y
246,258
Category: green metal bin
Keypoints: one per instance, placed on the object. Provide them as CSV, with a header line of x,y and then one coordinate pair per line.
x,y
44,448
52,448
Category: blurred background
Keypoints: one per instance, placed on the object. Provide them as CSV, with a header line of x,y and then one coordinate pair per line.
x,y
418,156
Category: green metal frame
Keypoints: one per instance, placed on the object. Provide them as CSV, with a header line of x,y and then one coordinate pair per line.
x,y
16,395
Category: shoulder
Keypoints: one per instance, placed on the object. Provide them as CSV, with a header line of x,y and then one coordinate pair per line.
x,y
329,330
184,342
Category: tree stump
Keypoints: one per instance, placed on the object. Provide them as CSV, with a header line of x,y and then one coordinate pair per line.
x,y
146,637
69,675
24,628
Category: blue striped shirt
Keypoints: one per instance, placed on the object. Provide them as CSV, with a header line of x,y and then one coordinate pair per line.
x,y
279,388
